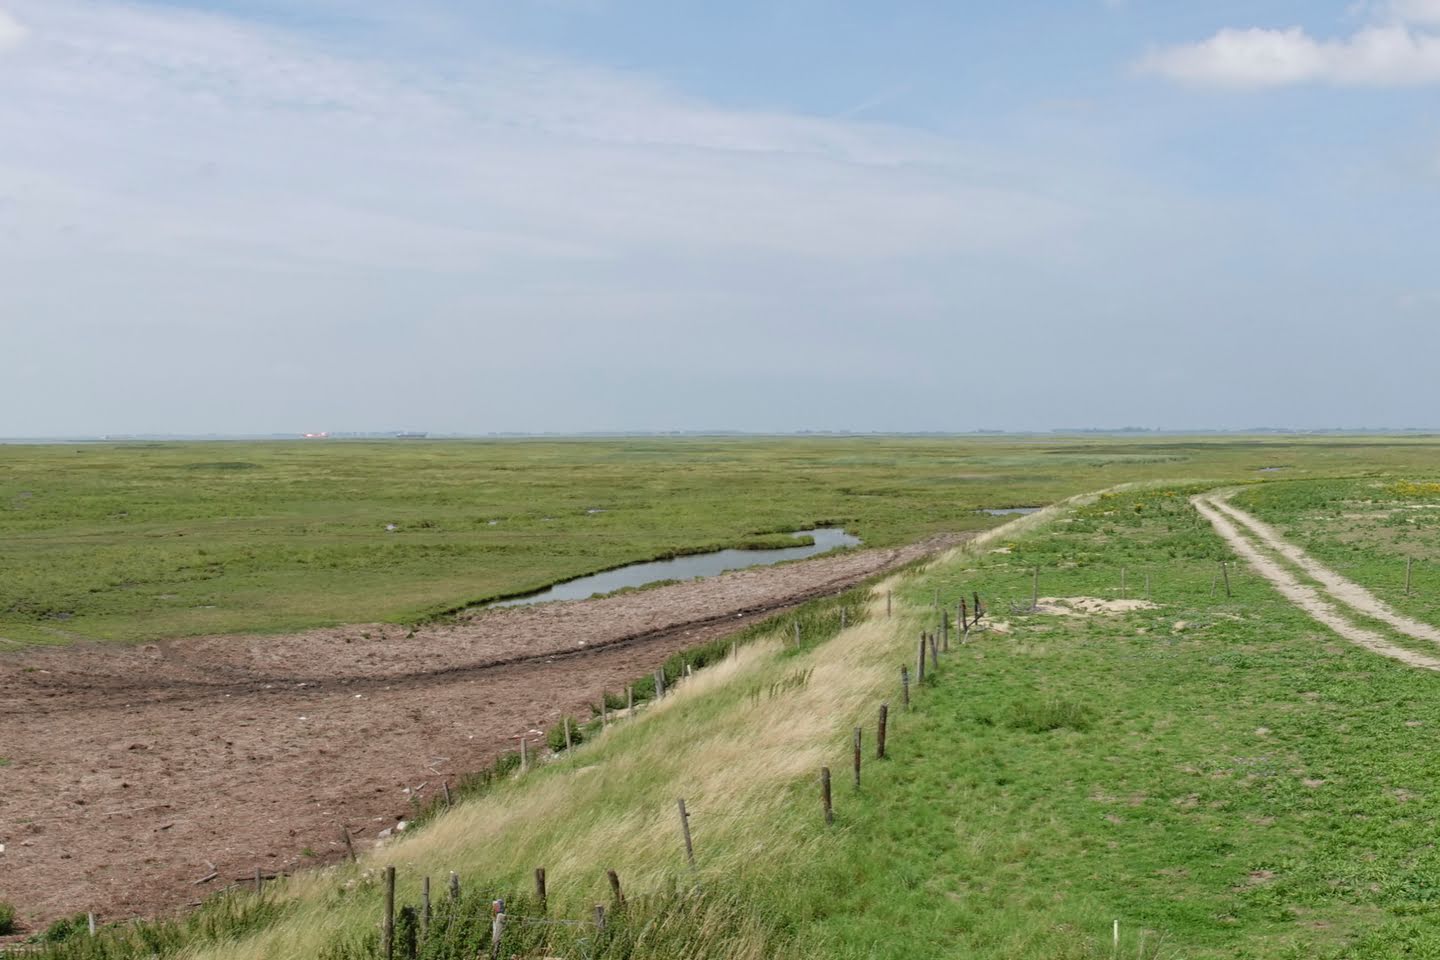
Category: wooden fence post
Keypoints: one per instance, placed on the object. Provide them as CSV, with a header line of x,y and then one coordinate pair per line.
x,y
887,604
920,667
629,699
600,917
825,795
619,898
497,934
454,885
524,756
540,889
934,653
446,785
1225,571
425,907
660,683
685,831
259,882
964,617
1409,565
569,745
905,686
978,610
1035,589
90,922
857,757
880,731
945,630
349,844
387,929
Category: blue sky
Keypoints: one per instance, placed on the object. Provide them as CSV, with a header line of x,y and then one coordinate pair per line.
x,y
595,214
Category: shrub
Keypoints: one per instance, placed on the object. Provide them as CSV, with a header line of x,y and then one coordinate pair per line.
x,y
7,918
1045,715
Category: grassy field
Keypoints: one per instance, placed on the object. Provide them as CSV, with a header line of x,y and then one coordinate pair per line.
x,y
139,541
1219,774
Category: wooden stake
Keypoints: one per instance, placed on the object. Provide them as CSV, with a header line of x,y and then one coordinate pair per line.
x,y
964,616
1225,571
630,698
454,885
568,744
259,882
660,683
978,610
349,845
945,631
524,756
540,888
425,908
880,731
604,711
446,785
1409,565
934,653
387,923
497,934
920,666
617,897
600,916
90,922
857,758
1035,590
887,604
905,686
685,831
825,795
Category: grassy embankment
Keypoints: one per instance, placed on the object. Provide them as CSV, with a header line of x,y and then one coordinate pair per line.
x,y
1219,774
138,541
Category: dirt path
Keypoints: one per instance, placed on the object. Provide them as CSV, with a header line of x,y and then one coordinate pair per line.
x,y
1320,607
132,770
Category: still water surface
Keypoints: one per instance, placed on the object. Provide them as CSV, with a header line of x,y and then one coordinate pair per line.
x,y
686,568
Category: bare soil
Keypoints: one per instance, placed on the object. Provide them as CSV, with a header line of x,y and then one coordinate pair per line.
x,y
134,772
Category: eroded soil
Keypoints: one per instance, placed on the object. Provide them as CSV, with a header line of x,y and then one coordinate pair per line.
x,y
133,772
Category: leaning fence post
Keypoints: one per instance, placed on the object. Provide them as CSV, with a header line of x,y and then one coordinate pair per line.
x,y
685,831
905,686
825,795
600,916
387,930
978,610
880,731
857,757
964,616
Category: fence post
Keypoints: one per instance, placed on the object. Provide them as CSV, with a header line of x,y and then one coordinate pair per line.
x,y
629,699
600,917
387,930
685,831
905,686
615,888
934,653
964,616
1409,565
978,611
920,667
568,744
944,629
825,795
660,683
880,731
349,844
842,618
797,634
497,934
1035,589
425,907
524,756
1225,571
887,604
540,889
90,922
454,885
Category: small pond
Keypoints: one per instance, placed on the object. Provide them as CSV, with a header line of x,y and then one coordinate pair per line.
x,y
1009,511
686,568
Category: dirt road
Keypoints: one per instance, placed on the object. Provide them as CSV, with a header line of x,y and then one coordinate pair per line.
x,y
1333,602
132,770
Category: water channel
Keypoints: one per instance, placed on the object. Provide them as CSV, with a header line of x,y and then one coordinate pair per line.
x,y
686,568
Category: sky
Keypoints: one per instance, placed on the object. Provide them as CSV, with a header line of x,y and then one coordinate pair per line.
x,y
467,216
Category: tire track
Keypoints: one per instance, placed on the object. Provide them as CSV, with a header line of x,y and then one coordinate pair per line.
x,y
1310,599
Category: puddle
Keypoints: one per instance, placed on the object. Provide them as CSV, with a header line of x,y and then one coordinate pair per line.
x,y
686,568
1009,511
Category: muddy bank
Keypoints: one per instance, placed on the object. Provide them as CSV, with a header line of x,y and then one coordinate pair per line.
x,y
132,771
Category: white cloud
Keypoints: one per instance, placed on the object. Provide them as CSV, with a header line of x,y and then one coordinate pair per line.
x,y
1414,11
1385,55
12,32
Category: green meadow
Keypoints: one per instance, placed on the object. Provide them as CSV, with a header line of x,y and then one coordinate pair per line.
x,y
1204,776
130,542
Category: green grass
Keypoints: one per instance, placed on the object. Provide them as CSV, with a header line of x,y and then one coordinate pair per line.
x,y
138,541
1221,775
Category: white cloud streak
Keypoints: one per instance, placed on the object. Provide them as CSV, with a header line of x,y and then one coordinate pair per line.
x,y
1399,53
12,32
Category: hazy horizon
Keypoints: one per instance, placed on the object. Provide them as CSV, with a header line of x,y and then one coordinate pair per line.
x,y
580,216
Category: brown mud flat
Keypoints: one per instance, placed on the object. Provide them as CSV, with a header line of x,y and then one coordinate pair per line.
x,y
133,770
